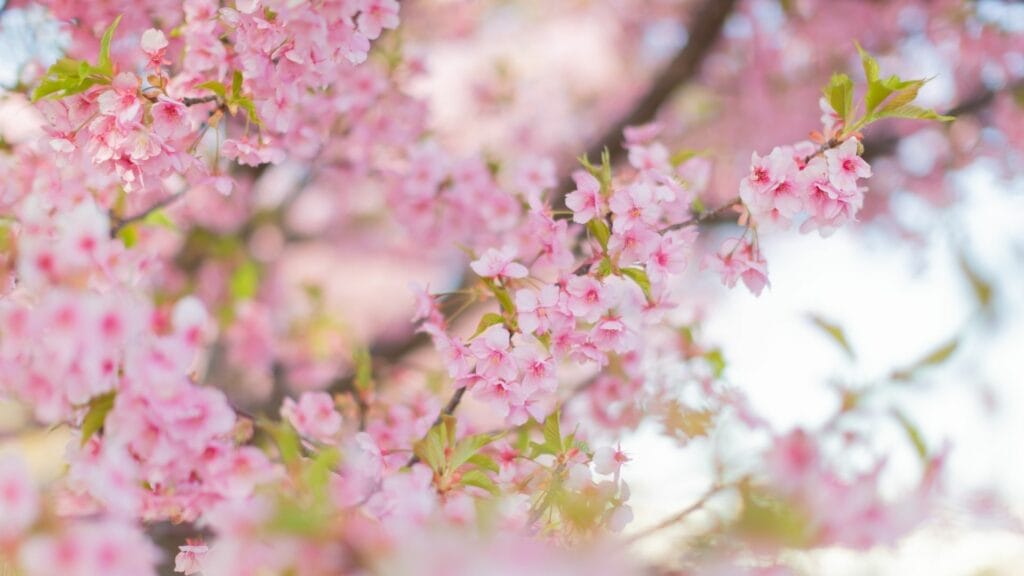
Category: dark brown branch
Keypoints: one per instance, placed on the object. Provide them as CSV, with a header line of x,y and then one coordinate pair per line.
x,y
704,31
118,224
200,100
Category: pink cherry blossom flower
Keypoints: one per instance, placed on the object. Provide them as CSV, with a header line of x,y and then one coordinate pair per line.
x,y
122,100
189,559
19,500
587,297
154,43
633,244
492,352
771,191
535,364
313,416
845,166
652,157
635,205
585,201
641,135
671,255
608,460
828,206
738,259
170,119
499,264
534,177
620,517
377,15
524,404
533,307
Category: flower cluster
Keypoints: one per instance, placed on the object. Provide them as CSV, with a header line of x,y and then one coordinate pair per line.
x,y
802,183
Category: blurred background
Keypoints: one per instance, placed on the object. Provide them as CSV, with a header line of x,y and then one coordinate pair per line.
x,y
937,259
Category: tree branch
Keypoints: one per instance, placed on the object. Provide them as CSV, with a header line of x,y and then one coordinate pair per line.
x,y
703,33
118,224
677,517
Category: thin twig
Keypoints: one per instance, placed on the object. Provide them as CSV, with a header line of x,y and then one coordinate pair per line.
x,y
118,224
706,216
199,100
678,516
448,410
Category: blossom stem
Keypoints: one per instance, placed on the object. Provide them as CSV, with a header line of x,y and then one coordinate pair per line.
x,y
448,410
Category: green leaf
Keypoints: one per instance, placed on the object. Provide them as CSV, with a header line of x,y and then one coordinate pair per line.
x,y
319,471
933,358
245,281
912,112
363,380
715,358
484,461
291,518
431,449
161,219
480,479
129,235
250,109
488,320
467,448
835,332
236,85
765,515
940,354
903,92
599,230
503,297
640,277
839,94
99,407
215,87
913,434
286,439
869,63
552,432
981,288
103,62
